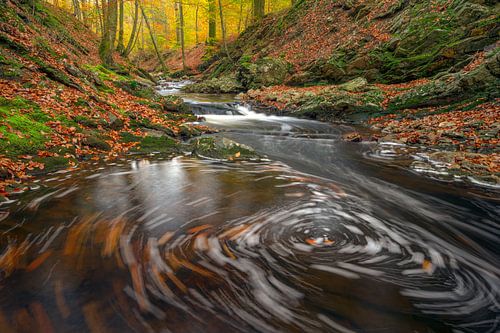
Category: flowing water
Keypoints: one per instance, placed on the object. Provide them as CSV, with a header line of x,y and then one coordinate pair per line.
x,y
324,236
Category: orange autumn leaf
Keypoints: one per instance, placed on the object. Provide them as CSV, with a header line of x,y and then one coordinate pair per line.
x,y
427,265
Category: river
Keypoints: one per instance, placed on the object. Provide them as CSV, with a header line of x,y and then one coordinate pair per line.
x,y
321,236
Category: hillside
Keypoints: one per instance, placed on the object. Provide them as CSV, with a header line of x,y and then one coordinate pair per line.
x,y
59,106
389,41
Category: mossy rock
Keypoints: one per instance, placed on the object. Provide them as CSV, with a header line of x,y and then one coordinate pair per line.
x,y
356,85
188,132
52,163
173,103
114,122
222,149
96,141
152,144
9,67
263,73
55,74
136,88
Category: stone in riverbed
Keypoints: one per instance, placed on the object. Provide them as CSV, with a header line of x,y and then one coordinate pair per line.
x,y
222,149
173,103
352,137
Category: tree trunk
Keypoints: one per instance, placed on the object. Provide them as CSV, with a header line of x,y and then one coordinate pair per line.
x,y
196,21
240,17
99,17
83,10
181,27
223,29
77,10
120,47
212,22
259,7
177,24
106,47
113,20
131,43
160,59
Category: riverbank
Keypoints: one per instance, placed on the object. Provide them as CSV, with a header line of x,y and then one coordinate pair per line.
x,y
59,106
458,125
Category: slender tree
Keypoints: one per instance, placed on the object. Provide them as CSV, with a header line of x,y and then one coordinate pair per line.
x,y
240,16
223,28
196,21
99,24
133,33
77,11
153,40
259,7
120,47
181,32
212,22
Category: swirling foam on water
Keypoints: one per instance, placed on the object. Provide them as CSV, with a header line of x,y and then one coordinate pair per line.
x,y
303,262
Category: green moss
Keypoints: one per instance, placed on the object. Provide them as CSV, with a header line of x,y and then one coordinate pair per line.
x,y
136,89
105,74
180,117
81,102
127,137
153,105
53,163
162,144
22,127
9,67
97,141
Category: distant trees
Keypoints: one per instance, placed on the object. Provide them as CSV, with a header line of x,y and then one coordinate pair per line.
x,y
123,25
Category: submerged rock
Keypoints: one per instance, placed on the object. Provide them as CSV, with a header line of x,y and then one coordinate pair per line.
x,y
352,137
223,149
173,103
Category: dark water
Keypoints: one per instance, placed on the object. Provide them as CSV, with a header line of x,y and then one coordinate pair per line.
x,y
326,236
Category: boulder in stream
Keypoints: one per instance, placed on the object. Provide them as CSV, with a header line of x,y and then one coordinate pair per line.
x,y
222,149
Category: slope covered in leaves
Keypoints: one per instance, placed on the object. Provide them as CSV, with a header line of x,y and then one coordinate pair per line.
x,y
388,41
58,106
